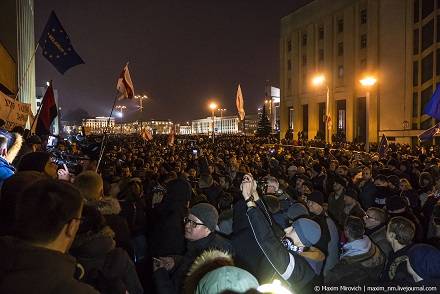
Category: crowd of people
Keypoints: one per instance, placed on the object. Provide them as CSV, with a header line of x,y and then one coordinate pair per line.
x,y
237,215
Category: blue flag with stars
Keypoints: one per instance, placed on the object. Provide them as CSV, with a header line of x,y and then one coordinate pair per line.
x,y
430,133
432,108
57,47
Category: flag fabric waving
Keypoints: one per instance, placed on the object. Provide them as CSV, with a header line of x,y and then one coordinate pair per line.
x,y
146,135
47,113
432,108
57,47
240,103
430,133
125,85
383,146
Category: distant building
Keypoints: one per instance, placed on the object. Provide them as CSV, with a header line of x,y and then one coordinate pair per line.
x,y
98,124
185,130
345,40
251,123
222,125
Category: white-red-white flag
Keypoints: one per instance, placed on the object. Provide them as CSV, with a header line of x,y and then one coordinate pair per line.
x,y
147,135
125,85
240,103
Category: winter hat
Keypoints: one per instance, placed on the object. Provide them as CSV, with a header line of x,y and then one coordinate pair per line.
x,y
207,214
297,210
205,181
308,231
227,278
395,202
425,261
317,197
34,161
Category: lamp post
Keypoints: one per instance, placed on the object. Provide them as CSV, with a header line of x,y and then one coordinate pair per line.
x,y
141,98
213,107
367,82
121,110
319,80
221,119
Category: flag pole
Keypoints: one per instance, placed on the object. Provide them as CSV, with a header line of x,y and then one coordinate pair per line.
x,y
27,70
103,143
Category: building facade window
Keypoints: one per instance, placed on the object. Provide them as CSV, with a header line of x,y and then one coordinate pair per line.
x,y
427,35
363,41
305,129
340,71
304,60
427,7
289,46
425,97
290,117
416,11
437,66
321,33
289,65
341,112
340,25
321,55
415,104
363,16
416,42
340,49
427,68
304,39
415,73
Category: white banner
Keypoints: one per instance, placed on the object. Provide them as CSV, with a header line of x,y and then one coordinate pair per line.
x,y
13,112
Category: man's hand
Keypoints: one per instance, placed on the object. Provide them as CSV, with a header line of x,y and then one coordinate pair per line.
x,y
246,186
167,262
63,173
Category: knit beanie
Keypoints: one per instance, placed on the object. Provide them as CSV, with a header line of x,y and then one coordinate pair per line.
x,y
34,161
207,214
227,278
425,261
308,231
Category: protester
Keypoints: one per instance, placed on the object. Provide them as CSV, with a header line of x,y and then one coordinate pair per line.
x,y
35,260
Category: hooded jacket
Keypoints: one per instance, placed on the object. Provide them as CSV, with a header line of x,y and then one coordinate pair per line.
x,y
29,269
360,263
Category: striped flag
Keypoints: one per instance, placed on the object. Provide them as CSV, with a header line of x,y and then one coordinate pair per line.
x,y
430,133
383,146
147,135
46,115
125,85
240,103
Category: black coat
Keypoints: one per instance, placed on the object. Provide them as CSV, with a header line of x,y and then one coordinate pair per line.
x,y
167,231
28,269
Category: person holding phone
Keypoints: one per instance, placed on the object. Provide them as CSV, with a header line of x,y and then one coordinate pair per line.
x,y
43,162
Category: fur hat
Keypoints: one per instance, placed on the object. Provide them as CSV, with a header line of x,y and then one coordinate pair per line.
x,y
207,214
425,261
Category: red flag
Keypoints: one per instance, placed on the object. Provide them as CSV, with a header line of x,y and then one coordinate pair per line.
x,y
125,85
47,113
146,135
240,103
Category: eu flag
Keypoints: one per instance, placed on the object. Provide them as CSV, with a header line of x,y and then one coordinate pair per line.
x,y
57,47
383,146
432,108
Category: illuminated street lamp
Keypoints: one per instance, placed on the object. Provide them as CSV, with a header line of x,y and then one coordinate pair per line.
x,y
367,82
121,111
319,81
141,98
213,107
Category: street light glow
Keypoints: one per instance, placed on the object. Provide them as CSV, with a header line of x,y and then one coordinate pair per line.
x,y
318,80
368,81
212,106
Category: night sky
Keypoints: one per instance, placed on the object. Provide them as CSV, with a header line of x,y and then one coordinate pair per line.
x,y
181,53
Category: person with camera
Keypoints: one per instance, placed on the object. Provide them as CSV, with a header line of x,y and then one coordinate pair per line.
x,y
284,256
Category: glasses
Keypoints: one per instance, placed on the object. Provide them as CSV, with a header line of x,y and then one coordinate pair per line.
x,y
192,224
